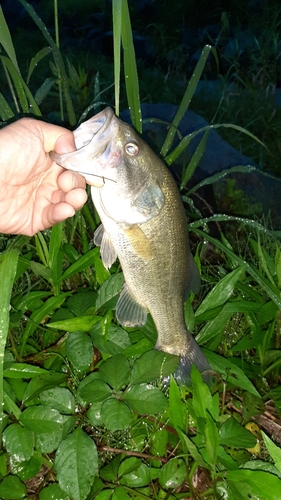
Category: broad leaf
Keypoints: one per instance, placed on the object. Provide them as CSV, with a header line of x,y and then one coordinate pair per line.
x,y
76,464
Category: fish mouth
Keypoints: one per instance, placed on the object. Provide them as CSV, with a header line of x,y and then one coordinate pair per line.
x,y
92,139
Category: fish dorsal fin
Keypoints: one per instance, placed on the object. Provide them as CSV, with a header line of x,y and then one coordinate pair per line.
x,y
128,311
107,250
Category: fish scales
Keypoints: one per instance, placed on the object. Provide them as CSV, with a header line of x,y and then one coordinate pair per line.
x,y
144,225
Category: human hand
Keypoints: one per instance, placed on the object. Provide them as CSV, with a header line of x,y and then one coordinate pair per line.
x,y
35,193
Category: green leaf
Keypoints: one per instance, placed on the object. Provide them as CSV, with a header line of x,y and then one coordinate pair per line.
x,y
93,390
114,341
230,372
80,302
195,159
203,401
43,382
137,478
76,464
152,365
109,291
27,469
192,449
273,450
115,415
6,40
18,441
11,488
53,492
23,370
59,398
265,485
36,59
146,399
79,350
34,417
39,314
119,493
222,291
177,408
81,264
117,21
115,371
82,323
212,441
233,434
190,90
173,473
130,68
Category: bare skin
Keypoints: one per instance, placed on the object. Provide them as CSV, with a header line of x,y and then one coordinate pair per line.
x,y
35,193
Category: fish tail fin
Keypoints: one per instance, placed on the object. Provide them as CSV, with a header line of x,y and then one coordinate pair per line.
x,y
193,356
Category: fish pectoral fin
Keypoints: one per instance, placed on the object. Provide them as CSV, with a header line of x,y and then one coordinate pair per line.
x,y
128,311
139,241
107,250
149,201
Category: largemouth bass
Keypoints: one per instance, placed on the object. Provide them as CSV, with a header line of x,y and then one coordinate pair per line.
x,y
144,225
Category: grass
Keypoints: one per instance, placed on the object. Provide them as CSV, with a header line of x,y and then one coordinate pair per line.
x,y
83,394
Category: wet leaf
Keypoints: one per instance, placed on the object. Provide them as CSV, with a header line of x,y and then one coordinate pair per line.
x,y
265,485
152,365
173,473
109,291
76,464
94,390
59,398
234,434
19,442
146,399
11,488
53,492
222,291
114,341
115,371
115,415
33,417
79,350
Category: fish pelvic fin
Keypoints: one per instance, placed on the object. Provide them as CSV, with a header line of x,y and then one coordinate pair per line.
x,y
107,250
128,311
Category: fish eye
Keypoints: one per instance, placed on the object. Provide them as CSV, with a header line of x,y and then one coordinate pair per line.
x,y
131,149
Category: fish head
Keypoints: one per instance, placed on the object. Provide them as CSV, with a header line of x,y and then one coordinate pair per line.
x,y
116,161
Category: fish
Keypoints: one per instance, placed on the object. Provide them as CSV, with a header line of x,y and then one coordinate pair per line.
x,y
143,224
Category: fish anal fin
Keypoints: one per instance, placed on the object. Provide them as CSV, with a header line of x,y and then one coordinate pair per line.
x,y
139,241
128,311
107,250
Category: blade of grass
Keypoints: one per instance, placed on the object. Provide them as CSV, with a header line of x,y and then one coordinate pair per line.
x,y
8,267
5,111
26,99
57,58
194,161
6,40
229,218
186,140
187,97
36,59
130,69
117,20
271,290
